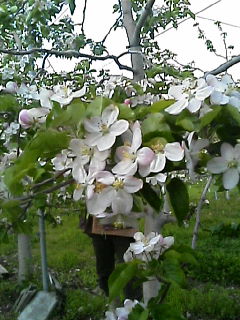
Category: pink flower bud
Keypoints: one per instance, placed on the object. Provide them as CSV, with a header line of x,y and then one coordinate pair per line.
x,y
128,102
25,119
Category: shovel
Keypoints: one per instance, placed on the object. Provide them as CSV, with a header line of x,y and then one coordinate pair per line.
x,y
44,302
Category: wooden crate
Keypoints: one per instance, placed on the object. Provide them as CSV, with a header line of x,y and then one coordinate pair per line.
x,y
98,228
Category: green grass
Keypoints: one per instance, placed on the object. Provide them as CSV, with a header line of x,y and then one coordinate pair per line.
x,y
212,292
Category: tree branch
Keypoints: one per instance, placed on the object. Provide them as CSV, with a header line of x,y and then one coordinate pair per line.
x,y
142,19
198,211
68,54
134,43
225,66
109,31
84,16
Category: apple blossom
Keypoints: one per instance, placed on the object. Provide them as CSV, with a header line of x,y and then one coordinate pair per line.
x,y
228,164
62,161
189,95
162,151
64,95
133,156
192,150
28,117
123,312
148,247
116,192
103,130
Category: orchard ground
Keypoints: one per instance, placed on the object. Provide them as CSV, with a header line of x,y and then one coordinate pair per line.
x,y
212,291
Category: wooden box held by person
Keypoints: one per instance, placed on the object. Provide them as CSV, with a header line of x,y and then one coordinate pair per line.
x,y
115,229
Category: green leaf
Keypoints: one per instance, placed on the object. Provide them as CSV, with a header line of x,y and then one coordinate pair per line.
x,y
151,197
72,5
186,123
160,105
120,277
165,312
8,103
172,271
210,116
96,106
179,198
72,115
155,125
138,313
233,112
11,209
44,145
125,112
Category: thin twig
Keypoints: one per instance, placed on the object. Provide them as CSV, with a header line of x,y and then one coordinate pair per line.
x,y
111,28
198,211
67,53
84,16
56,176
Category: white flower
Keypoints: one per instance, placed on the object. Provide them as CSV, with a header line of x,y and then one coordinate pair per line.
x,y
133,156
28,117
189,95
7,73
11,87
222,89
148,247
158,178
123,312
172,151
228,164
102,131
115,192
64,95
62,161
192,150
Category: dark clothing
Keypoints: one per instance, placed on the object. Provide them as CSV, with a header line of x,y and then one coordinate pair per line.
x,y
110,250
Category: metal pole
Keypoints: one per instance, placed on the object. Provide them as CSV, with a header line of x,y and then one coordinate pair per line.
x,y
43,249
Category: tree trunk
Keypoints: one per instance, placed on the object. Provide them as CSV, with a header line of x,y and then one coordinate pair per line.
x,y
133,40
24,257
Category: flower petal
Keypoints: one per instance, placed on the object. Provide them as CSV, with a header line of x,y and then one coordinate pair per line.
x,y
92,124
119,127
110,114
158,162
137,137
132,184
217,165
125,167
145,156
106,142
194,105
227,151
203,93
174,151
177,107
230,178
105,177
122,202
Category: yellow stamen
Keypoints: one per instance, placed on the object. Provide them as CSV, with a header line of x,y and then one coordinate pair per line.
x,y
118,184
128,155
104,128
157,147
99,187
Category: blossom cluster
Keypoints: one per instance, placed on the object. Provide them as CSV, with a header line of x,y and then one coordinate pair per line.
x,y
191,94
60,93
123,312
148,247
107,176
